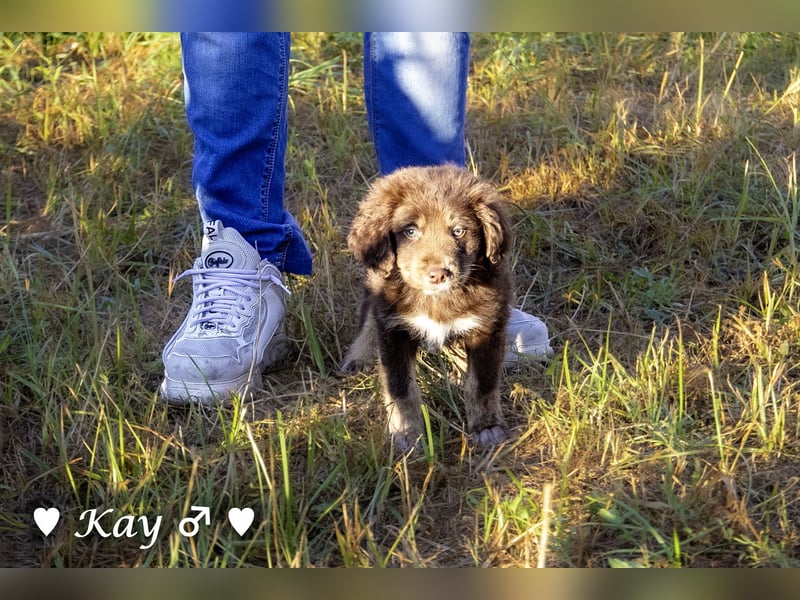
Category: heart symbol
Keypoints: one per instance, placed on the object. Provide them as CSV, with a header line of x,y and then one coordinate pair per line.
x,y
241,519
46,519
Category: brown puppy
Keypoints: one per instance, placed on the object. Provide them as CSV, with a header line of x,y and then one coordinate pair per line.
x,y
434,241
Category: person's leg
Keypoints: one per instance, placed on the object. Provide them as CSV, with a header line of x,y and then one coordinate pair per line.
x,y
415,88
236,89
235,93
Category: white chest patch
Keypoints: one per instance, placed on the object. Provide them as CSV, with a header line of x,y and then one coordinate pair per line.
x,y
436,333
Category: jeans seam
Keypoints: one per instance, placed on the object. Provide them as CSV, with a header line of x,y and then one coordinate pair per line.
x,y
270,157
285,248
373,124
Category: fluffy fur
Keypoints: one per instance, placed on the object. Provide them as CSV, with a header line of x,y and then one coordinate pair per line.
x,y
434,241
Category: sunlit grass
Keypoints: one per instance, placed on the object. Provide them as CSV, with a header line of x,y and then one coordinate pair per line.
x,y
653,186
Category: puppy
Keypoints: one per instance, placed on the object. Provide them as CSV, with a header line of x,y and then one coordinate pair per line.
x,y
434,241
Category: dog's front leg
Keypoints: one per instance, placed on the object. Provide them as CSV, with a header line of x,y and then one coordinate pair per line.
x,y
485,421
401,393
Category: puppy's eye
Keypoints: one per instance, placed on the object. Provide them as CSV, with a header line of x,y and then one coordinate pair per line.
x,y
411,233
458,231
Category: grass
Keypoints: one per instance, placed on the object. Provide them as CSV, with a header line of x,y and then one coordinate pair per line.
x,y
653,186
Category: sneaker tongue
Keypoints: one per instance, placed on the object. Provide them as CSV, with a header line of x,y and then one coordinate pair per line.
x,y
225,248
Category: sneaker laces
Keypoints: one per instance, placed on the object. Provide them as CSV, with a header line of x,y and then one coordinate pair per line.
x,y
222,293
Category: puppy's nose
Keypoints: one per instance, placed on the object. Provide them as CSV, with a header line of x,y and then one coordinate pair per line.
x,y
439,276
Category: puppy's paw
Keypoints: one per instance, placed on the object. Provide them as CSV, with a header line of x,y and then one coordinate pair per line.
x,y
354,365
406,442
405,435
491,436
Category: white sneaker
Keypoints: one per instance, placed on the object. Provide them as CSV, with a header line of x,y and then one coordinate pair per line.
x,y
234,327
526,339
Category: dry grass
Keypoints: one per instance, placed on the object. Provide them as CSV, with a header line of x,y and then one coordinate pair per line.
x,y
654,190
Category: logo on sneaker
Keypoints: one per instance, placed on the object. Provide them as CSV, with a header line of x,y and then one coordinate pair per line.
x,y
218,260
211,231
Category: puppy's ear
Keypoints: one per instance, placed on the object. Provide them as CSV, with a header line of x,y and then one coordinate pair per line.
x,y
494,219
370,234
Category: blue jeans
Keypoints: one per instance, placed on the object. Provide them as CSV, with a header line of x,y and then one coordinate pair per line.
x,y
236,88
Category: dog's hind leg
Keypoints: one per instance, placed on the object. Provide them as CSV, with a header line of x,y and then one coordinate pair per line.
x,y
362,353
363,350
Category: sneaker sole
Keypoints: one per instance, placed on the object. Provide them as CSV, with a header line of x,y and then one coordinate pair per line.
x,y
181,393
533,353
